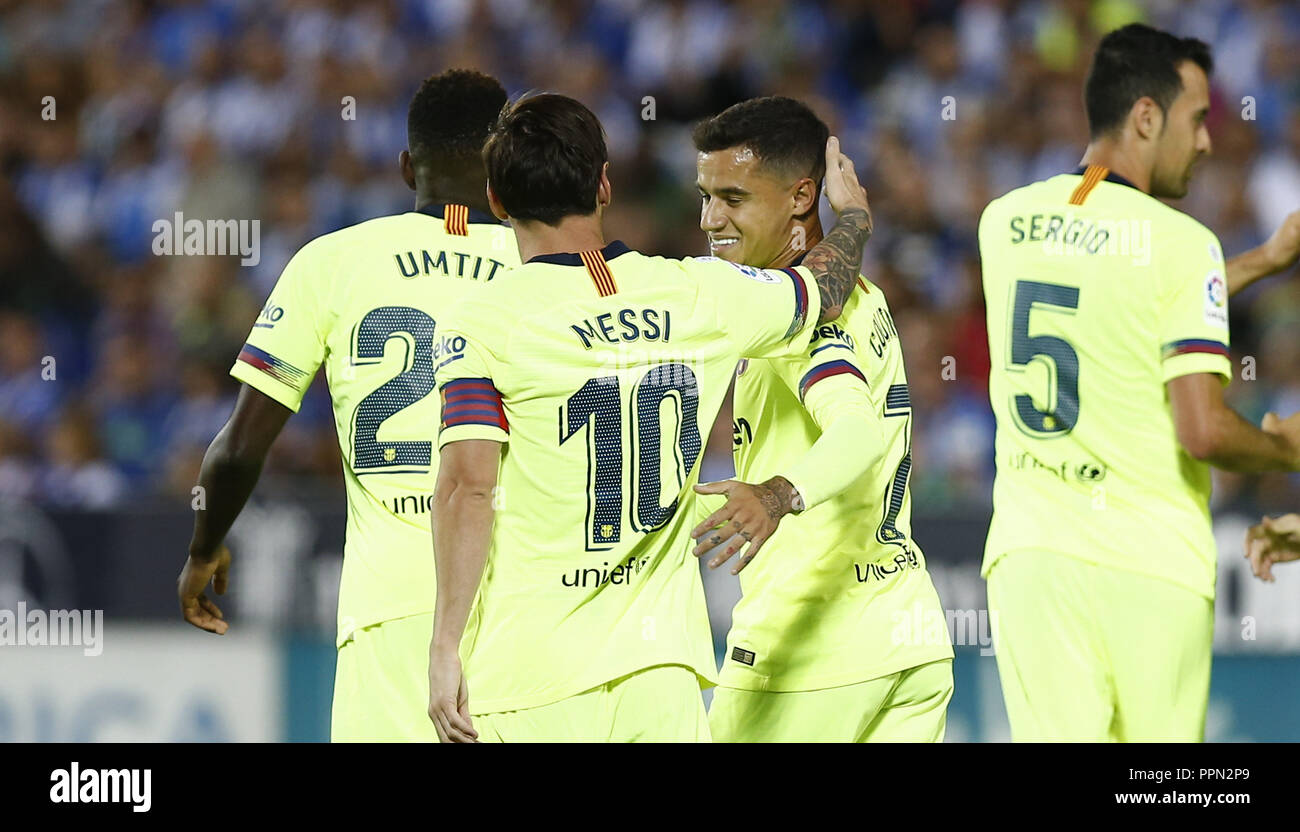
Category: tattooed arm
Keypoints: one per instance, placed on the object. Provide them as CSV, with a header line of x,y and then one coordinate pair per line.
x,y
837,260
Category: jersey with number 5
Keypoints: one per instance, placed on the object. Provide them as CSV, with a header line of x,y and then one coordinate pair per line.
x,y
601,372
1097,295
367,302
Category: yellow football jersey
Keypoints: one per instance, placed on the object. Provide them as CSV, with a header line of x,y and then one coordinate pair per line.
x,y
366,302
601,372
1098,295
840,593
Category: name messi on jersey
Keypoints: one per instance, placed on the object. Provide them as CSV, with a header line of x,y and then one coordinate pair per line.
x,y
467,265
632,325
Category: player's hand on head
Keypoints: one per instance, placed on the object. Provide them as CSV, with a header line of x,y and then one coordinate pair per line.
x,y
843,190
449,699
749,517
1272,540
196,607
1283,246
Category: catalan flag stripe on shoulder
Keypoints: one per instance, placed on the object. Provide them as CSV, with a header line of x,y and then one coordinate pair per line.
x,y
599,271
472,401
1193,345
825,371
281,371
1091,176
456,219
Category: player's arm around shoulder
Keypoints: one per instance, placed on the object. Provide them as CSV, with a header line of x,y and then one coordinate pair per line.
x,y
832,386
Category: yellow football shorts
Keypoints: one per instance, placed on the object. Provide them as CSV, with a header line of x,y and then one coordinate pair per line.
x,y
658,704
381,684
1091,653
909,706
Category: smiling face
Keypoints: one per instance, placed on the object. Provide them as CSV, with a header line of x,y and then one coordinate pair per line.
x,y
1184,138
747,209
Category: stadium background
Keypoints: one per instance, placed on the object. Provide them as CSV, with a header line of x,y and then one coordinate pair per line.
x,y
234,109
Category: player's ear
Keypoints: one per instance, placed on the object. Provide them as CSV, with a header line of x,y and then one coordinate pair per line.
x,y
804,196
498,210
604,190
1148,118
408,168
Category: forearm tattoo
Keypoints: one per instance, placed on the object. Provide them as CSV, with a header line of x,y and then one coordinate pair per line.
x,y
836,261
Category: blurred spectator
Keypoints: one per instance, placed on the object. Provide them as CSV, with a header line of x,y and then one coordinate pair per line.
x,y
76,476
29,386
114,115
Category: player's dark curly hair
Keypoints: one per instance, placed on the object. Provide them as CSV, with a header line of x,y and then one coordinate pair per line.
x,y
1133,62
450,116
782,132
544,158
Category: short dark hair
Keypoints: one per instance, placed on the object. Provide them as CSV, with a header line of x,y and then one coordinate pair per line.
x,y
1136,61
450,116
782,132
544,158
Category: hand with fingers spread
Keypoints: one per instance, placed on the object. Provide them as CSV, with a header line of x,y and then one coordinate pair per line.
x,y
449,698
196,607
750,516
1272,540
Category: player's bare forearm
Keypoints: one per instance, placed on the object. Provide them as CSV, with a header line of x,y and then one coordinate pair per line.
x,y
1245,269
1277,254
1212,432
462,532
227,481
836,261
231,467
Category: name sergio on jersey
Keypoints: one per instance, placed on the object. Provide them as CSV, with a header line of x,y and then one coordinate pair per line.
x,y
428,264
633,325
1078,235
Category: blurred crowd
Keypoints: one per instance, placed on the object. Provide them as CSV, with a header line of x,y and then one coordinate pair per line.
x,y
116,114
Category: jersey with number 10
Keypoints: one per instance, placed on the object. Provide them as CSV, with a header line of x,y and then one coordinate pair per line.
x,y
367,301
1098,295
601,372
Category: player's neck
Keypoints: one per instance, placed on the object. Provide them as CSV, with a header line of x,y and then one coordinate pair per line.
x,y
425,198
572,234
798,244
1121,159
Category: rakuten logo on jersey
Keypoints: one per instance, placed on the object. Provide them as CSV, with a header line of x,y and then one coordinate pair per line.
x,y
834,332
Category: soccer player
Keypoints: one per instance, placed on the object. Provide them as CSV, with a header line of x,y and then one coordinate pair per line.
x,y
574,402
829,639
1108,331
366,302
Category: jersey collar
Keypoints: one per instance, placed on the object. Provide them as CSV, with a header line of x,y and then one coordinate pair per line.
x,y
1111,176
436,209
610,251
